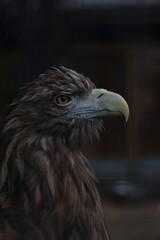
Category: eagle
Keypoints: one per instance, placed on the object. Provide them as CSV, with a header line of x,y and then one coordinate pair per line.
x,y
47,187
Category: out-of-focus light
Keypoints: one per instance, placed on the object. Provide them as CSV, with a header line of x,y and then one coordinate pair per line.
x,y
108,3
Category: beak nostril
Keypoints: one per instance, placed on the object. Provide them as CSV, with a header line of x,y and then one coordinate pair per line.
x,y
100,95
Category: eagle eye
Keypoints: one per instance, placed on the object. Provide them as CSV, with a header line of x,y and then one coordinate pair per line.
x,y
62,100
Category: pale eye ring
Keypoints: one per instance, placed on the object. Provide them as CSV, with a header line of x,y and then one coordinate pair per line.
x,y
62,100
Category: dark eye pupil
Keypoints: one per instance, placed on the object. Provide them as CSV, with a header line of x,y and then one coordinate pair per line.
x,y
63,98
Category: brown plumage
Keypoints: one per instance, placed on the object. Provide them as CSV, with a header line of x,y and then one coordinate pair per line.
x,y
47,187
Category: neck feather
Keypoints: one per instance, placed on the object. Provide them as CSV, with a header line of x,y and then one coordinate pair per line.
x,y
47,176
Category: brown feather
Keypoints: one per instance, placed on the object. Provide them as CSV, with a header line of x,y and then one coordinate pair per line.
x,y
47,187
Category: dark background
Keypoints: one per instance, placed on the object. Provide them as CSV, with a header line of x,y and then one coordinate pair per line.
x,y
117,45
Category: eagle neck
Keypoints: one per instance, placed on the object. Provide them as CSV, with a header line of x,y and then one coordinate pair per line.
x,y
77,202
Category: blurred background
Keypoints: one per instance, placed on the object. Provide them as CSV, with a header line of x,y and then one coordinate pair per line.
x,y
117,44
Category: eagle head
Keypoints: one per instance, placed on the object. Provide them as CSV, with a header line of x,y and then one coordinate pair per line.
x,y
64,104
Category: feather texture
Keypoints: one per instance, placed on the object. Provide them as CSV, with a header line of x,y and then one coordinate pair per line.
x,y
47,186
